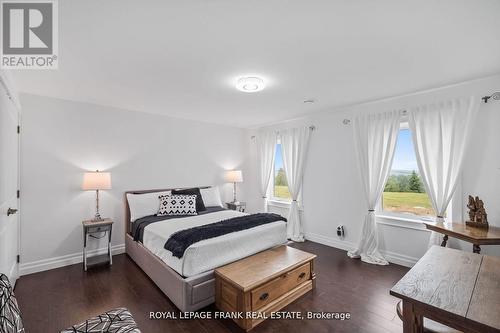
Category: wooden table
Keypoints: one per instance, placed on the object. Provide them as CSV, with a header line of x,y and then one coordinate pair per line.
x,y
456,288
474,235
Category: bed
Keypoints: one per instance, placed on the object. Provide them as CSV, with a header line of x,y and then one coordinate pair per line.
x,y
189,281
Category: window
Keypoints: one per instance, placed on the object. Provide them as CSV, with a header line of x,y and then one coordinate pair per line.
x,y
404,192
280,185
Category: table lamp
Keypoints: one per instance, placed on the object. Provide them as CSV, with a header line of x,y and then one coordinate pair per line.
x,y
234,176
95,181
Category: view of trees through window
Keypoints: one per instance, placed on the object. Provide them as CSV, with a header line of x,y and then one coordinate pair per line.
x,y
404,191
280,190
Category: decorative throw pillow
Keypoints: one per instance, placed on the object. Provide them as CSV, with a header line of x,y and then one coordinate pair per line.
x,y
200,206
177,204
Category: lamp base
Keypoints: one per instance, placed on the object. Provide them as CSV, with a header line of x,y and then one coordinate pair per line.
x,y
97,217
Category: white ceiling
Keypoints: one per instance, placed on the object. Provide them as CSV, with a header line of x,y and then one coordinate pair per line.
x,y
182,58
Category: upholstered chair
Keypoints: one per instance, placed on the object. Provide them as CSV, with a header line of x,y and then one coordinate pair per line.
x,y
114,321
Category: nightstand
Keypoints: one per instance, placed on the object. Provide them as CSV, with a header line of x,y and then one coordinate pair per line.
x,y
91,229
239,206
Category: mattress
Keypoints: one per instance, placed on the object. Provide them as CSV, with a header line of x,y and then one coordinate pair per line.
x,y
211,253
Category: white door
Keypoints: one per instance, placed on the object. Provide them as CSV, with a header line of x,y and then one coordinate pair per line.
x,y
9,180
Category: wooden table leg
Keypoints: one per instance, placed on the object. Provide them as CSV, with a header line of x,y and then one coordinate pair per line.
x,y
445,239
412,322
476,248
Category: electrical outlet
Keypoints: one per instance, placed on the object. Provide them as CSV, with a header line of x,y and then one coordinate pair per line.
x,y
340,231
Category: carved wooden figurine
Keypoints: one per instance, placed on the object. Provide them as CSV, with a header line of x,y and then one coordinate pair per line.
x,y
472,208
477,213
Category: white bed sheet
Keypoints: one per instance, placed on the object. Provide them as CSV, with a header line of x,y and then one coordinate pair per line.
x,y
211,253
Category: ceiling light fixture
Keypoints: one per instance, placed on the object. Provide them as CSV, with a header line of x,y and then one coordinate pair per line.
x,y
309,101
250,84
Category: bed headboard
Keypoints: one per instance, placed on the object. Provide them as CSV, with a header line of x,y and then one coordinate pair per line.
x,y
127,207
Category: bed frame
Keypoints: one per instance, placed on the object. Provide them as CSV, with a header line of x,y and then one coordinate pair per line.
x,y
188,294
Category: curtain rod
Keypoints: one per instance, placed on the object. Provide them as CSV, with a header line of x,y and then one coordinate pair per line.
x,y
311,127
494,96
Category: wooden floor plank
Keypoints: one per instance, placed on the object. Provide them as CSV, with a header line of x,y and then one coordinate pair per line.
x,y
343,284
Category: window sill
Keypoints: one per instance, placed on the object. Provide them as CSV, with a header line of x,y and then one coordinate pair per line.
x,y
401,222
279,203
282,204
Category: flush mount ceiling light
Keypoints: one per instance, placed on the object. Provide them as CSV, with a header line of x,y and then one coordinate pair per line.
x,y
250,84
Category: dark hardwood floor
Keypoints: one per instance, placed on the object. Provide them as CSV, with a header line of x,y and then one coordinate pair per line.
x,y
53,300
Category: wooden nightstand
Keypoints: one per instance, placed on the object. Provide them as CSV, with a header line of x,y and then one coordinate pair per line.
x,y
239,206
96,227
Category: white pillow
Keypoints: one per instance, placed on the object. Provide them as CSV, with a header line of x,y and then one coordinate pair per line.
x,y
144,204
211,196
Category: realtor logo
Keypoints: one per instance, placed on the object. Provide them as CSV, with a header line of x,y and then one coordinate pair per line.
x,y
29,34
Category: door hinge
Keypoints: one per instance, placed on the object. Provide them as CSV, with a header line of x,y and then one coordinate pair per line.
x,y
18,129
18,258
18,194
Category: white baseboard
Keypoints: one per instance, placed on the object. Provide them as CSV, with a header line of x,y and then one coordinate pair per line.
x,y
399,259
69,259
329,241
395,258
75,258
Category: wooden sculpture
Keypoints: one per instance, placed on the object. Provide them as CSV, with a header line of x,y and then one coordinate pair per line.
x,y
477,213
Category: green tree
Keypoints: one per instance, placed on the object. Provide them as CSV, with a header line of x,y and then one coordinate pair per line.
x,y
392,184
404,183
415,184
280,179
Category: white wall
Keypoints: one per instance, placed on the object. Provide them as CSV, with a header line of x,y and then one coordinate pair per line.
x,y
332,189
60,140
481,175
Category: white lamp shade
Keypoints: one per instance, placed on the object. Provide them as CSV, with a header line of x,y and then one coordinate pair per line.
x,y
234,176
96,181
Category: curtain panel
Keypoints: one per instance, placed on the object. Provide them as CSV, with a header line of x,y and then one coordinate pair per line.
x,y
266,151
294,145
375,137
440,133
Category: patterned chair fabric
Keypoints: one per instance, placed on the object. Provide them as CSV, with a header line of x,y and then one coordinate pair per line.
x,y
10,317
114,321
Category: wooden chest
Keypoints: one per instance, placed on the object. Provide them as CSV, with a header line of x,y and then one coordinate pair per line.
x,y
263,283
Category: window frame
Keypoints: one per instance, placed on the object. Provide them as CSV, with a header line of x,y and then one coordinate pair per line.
x,y
383,214
272,198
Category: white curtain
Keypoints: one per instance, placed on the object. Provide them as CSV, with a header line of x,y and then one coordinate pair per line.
x,y
375,137
294,145
266,150
440,133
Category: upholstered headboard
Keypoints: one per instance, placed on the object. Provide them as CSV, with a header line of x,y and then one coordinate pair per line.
x,y
127,207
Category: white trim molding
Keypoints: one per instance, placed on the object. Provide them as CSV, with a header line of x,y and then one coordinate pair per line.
x,y
399,222
392,257
66,260
330,241
399,259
